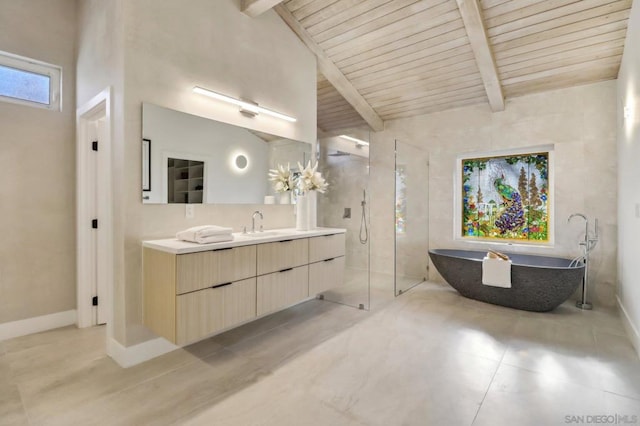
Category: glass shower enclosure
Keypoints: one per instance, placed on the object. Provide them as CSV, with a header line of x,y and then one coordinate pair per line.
x,y
411,216
345,165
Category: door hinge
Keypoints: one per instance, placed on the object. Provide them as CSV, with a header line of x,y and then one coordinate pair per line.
x,y
94,223
94,301
94,145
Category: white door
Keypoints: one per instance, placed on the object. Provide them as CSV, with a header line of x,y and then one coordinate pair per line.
x,y
101,246
97,265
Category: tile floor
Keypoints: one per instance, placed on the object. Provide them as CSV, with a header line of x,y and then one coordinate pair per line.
x,y
429,357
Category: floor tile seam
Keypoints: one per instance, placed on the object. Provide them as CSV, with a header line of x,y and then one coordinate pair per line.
x,y
219,399
258,334
150,378
635,398
102,398
285,326
495,373
570,382
24,406
76,368
198,410
229,346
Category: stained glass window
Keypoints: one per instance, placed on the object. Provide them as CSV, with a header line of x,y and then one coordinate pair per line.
x,y
506,197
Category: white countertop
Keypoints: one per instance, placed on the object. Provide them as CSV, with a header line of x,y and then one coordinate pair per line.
x,y
175,246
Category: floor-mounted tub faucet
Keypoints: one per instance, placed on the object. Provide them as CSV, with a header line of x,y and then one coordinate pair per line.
x,y
253,220
588,244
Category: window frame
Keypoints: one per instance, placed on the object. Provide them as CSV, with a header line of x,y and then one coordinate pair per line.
x,y
34,66
457,208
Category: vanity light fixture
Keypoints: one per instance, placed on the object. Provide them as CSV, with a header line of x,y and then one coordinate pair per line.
x,y
245,106
359,143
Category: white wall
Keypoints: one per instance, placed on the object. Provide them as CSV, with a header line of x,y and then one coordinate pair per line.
x,y
37,247
579,121
171,47
629,177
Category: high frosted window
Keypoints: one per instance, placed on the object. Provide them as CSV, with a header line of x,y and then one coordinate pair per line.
x,y
29,82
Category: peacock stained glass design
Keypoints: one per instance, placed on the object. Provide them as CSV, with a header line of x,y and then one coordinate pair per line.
x,y
506,197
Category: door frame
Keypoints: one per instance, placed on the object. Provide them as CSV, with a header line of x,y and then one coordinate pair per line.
x,y
99,107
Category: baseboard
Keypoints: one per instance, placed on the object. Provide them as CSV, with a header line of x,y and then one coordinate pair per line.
x,y
630,327
129,356
12,329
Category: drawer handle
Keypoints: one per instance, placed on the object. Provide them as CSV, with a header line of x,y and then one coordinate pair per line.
x,y
285,241
222,249
329,260
285,270
220,285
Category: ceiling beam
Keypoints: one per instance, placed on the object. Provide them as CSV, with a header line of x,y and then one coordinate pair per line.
x,y
329,69
256,8
472,18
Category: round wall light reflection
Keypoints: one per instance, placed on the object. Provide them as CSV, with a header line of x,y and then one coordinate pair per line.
x,y
241,162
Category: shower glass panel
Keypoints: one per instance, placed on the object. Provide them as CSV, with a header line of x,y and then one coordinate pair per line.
x,y
345,165
411,216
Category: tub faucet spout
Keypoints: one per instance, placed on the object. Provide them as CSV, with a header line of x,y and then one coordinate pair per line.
x,y
577,214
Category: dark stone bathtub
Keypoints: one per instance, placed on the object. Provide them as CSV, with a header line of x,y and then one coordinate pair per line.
x,y
538,283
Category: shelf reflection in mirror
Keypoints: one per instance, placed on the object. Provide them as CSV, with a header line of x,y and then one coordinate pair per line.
x,y
198,160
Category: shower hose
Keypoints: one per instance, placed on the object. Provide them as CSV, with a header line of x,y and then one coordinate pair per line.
x,y
364,230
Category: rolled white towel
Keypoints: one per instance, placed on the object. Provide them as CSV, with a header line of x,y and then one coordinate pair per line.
x,y
496,272
198,234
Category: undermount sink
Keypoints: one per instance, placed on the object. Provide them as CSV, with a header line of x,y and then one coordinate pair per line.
x,y
258,234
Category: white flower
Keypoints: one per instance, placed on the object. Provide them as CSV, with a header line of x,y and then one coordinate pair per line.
x,y
310,179
282,178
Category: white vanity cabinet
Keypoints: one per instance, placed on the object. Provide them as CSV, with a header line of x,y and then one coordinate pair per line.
x,y
193,291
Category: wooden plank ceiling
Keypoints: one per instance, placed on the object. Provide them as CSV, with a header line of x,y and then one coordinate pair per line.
x,y
410,57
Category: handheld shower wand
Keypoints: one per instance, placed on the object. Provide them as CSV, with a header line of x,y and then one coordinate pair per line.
x,y
364,236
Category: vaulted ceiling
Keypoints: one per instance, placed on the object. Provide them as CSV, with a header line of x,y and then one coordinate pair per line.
x,y
380,60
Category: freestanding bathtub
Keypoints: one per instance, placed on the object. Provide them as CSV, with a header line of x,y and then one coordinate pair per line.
x,y
538,283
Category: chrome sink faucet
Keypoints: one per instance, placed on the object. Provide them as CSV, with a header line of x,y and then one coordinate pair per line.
x,y
253,220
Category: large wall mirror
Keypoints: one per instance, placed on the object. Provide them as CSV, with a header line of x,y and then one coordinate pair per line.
x,y
191,159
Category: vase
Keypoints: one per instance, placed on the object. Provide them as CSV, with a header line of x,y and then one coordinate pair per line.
x,y
312,210
306,213
284,197
302,213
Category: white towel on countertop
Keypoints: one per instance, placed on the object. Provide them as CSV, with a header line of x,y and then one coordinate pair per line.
x,y
206,234
496,272
214,239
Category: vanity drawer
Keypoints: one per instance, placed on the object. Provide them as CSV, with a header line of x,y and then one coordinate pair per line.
x,y
273,257
281,289
326,247
203,312
326,275
196,271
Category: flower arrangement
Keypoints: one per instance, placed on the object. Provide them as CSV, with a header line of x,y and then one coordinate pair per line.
x,y
283,179
310,179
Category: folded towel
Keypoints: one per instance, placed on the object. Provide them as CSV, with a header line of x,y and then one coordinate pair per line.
x,y
205,234
214,239
496,272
